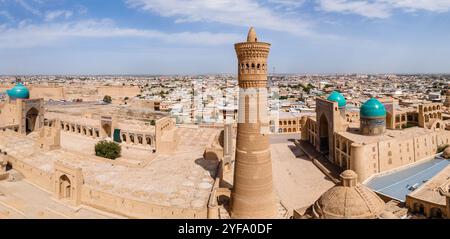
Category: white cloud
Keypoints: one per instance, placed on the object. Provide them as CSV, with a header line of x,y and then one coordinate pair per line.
x,y
428,5
29,8
52,15
30,35
363,8
290,4
6,15
82,9
382,8
233,12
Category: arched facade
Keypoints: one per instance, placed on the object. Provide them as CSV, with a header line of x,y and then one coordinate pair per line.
x,y
429,112
288,123
135,138
65,191
67,183
329,119
324,134
31,120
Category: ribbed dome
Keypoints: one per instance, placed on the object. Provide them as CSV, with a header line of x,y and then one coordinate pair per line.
x,y
18,92
337,97
349,200
373,108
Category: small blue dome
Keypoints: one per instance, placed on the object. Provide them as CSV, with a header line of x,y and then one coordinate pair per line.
x,y
373,108
18,92
337,97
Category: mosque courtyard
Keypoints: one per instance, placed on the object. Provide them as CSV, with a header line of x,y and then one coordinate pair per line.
x,y
297,181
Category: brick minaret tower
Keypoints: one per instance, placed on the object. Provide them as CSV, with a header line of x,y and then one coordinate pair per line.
x,y
252,195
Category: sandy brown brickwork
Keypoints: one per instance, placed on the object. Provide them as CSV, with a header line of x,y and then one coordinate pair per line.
x,y
252,195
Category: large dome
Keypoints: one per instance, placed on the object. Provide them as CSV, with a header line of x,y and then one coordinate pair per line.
x,y
337,97
373,108
18,92
350,200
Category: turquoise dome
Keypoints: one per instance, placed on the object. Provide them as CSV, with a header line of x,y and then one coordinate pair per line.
x,y
18,92
337,97
373,108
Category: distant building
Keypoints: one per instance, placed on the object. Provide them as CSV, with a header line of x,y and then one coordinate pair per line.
x,y
435,97
20,113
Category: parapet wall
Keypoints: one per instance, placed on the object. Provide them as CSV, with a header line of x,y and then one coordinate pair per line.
x,y
427,208
378,157
107,201
134,208
36,176
55,93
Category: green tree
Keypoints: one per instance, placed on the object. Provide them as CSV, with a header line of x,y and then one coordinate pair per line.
x,y
107,99
307,88
108,149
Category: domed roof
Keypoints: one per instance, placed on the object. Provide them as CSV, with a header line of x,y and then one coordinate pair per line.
x,y
337,97
349,174
373,108
18,92
251,36
348,200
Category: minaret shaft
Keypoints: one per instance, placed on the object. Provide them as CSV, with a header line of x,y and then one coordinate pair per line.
x,y
252,195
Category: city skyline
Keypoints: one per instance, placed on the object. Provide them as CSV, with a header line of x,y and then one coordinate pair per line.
x,y
224,147
196,37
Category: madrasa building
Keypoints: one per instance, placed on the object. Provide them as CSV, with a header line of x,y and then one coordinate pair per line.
x,y
390,157
161,172
24,114
379,138
20,113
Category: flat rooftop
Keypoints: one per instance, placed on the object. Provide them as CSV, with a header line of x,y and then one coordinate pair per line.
x,y
99,108
354,135
403,182
181,180
432,190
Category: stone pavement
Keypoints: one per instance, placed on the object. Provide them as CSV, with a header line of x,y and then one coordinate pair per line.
x,y
297,181
329,169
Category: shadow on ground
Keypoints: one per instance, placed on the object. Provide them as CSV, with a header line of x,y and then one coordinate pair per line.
x,y
209,165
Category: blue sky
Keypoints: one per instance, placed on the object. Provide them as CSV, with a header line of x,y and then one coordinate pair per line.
x,y
196,37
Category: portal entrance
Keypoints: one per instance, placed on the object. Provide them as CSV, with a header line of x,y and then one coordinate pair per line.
x,y
30,121
107,130
64,187
436,213
323,134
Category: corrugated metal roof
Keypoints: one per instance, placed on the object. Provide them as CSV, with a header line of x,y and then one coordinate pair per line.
x,y
401,183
